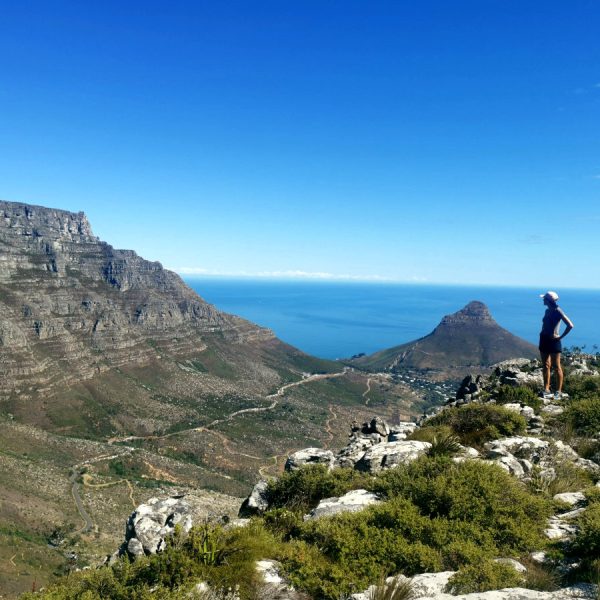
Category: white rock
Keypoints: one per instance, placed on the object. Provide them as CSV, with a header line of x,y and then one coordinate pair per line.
x,y
515,564
309,456
558,529
269,569
553,409
521,446
527,412
353,501
391,454
401,431
571,498
468,452
256,503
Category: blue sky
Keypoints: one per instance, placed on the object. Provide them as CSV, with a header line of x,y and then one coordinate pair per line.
x,y
412,141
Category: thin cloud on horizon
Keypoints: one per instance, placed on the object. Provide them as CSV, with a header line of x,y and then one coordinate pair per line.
x,y
295,274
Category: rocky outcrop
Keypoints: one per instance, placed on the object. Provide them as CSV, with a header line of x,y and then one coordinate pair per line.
x,y
257,502
72,306
352,501
388,455
431,586
309,456
150,524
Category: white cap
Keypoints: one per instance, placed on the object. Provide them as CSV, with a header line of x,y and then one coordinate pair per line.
x,y
550,295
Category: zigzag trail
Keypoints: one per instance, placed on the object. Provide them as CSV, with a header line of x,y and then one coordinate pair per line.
x,y
275,396
76,469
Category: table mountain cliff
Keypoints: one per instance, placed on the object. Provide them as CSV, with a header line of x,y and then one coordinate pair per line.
x,y
73,306
85,326
469,337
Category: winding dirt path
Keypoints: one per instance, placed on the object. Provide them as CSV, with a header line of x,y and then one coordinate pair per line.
x,y
275,401
367,392
77,471
328,429
87,482
274,397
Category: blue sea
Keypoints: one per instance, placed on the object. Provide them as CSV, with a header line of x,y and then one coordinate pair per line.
x,y
338,320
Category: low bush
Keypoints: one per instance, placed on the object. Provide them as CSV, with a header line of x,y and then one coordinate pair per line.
x,y
541,577
587,540
487,575
582,386
436,515
480,494
476,424
508,394
224,559
399,589
444,446
584,416
302,489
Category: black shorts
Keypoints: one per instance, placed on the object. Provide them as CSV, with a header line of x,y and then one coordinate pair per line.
x,y
549,345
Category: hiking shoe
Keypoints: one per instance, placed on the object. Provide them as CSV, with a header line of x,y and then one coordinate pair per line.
x,y
546,395
560,396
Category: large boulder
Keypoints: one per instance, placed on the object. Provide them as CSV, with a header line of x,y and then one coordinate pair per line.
x,y
257,502
401,431
352,501
355,450
391,454
151,523
310,456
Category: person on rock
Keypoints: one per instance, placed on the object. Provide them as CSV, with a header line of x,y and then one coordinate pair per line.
x,y
550,343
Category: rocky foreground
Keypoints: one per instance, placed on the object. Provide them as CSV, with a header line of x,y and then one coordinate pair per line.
x,y
534,458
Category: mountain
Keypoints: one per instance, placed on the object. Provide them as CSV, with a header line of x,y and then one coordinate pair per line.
x,y
64,293
119,382
467,338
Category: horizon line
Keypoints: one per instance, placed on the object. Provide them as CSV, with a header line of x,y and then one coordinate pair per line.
x,y
325,277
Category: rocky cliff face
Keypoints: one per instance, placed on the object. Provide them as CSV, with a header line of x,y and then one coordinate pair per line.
x,y
72,306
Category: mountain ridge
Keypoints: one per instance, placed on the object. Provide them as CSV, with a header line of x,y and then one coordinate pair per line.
x,y
98,303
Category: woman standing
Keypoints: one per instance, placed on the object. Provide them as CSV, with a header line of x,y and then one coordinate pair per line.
x,y
550,343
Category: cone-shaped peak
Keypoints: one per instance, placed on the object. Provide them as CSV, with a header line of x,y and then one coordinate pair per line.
x,y
475,311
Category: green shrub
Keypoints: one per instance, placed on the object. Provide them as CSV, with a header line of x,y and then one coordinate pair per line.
x,y
541,577
508,394
346,552
487,575
225,559
592,495
582,386
476,424
471,494
436,515
584,415
399,589
444,445
587,540
302,489
429,433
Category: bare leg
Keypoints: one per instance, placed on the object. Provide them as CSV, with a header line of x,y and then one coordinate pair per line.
x,y
558,370
546,370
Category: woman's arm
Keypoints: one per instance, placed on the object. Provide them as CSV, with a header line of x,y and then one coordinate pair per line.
x,y
568,324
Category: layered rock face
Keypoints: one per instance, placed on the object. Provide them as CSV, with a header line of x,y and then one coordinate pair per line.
x,y
72,306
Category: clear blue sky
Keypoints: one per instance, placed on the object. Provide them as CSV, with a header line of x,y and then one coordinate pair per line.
x,y
415,141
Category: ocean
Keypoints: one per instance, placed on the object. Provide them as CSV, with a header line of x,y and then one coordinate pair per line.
x,y
338,320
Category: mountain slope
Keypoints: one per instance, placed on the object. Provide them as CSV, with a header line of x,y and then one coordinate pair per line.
x,y
469,337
